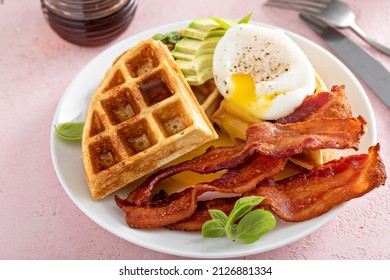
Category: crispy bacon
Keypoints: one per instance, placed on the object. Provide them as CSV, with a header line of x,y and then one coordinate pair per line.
x,y
178,206
333,104
263,156
309,195
195,222
215,159
308,106
337,107
297,198
271,140
284,140
175,207
244,178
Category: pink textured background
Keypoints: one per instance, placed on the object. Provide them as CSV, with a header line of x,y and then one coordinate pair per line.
x,y
39,221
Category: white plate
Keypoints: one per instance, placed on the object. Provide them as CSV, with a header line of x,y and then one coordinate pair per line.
x,y
67,160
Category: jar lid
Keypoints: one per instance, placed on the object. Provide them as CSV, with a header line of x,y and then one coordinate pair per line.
x,y
84,9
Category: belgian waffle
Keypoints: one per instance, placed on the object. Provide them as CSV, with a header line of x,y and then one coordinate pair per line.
x,y
142,116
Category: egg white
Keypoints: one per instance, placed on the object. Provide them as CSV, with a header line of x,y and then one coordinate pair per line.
x,y
282,73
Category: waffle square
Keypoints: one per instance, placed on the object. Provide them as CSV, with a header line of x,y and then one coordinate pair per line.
x,y
142,116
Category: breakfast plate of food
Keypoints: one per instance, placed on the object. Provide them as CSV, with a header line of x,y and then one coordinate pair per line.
x,y
203,128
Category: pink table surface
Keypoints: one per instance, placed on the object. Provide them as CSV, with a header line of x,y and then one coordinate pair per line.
x,y
37,218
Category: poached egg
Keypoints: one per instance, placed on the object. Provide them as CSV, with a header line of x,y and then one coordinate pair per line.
x,y
262,71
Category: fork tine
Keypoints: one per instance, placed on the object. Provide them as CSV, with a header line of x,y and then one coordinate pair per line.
x,y
292,6
307,6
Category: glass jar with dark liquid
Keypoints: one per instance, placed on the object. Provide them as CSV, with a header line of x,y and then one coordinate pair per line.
x,y
89,22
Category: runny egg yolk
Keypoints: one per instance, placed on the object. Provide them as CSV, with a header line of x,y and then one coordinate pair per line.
x,y
244,95
244,91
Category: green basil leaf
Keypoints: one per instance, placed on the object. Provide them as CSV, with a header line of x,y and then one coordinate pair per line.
x,y
241,207
253,225
71,131
223,24
218,215
246,19
213,228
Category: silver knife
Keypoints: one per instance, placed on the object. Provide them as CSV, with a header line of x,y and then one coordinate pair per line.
x,y
374,74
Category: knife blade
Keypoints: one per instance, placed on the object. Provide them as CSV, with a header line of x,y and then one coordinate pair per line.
x,y
369,70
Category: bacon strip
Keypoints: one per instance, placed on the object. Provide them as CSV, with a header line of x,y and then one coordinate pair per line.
x,y
333,104
244,178
196,221
284,140
175,207
215,159
337,107
271,140
182,205
309,195
309,105
294,199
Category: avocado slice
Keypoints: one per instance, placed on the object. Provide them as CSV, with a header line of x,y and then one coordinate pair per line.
x,y
195,66
195,33
204,23
188,48
205,75
183,56
193,46
194,52
188,56
204,27
201,34
188,45
208,24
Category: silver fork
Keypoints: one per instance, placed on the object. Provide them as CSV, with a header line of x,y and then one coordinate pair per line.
x,y
334,13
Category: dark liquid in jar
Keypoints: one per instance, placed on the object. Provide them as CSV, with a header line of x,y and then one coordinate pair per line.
x,y
87,23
